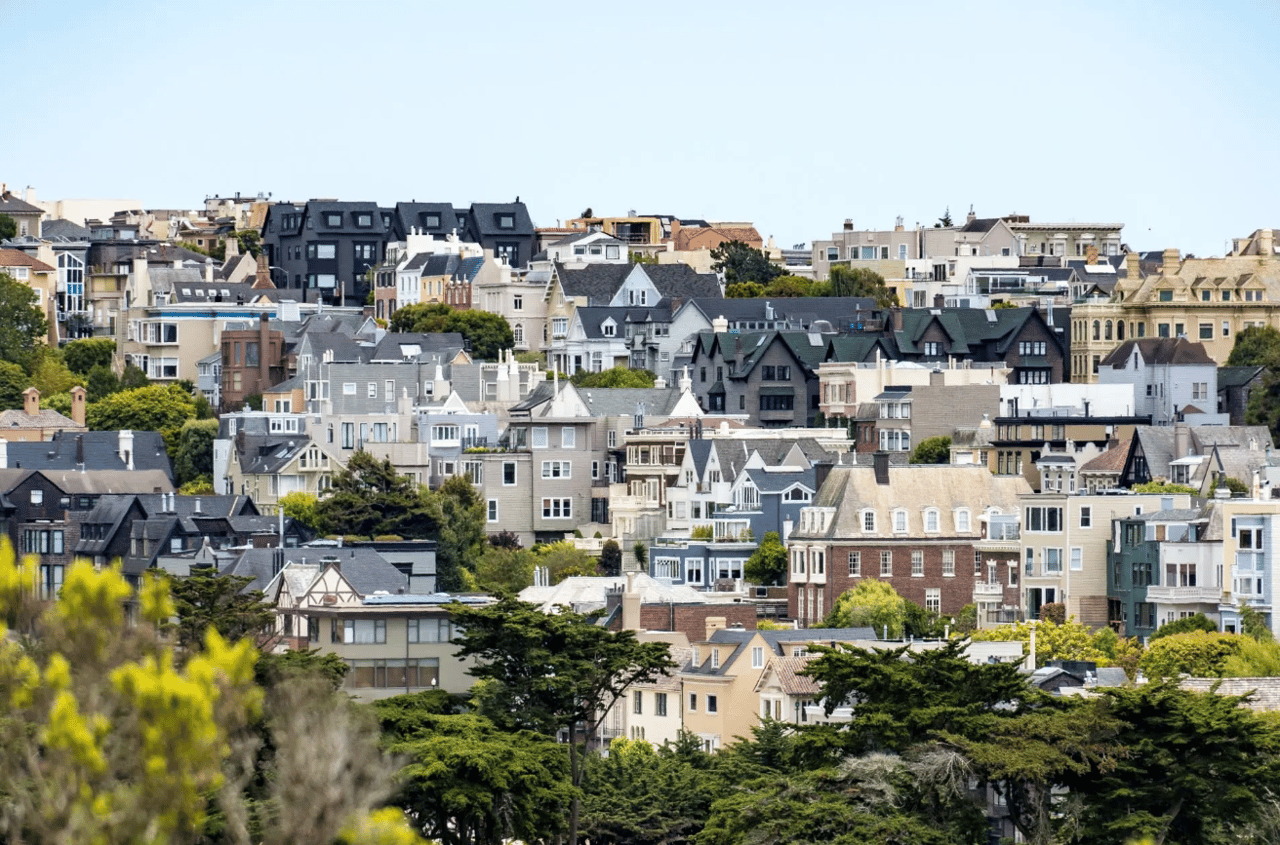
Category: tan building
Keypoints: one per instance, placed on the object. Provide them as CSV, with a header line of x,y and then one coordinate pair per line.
x,y
41,277
32,423
1208,300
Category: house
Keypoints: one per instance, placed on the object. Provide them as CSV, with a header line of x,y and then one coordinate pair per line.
x,y
38,275
1195,456
1235,386
1034,345
915,526
325,248
267,466
770,377
33,423
1174,379
24,214
1135,563
90,451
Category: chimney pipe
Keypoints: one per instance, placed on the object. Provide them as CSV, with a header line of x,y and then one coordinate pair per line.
x,y
880,461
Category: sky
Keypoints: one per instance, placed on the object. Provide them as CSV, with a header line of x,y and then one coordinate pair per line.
x,y
1162,116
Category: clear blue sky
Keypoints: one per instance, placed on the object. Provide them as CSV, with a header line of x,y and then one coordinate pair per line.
x,y
1162,116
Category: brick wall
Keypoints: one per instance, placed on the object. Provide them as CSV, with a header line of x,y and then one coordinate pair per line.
x,y
691,619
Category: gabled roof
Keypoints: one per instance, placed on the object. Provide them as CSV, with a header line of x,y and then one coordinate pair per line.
x,y
776,641
967,328
1229,377
9,204
858,348
18,258
1157,350
366,570
392,347
101,452
54,230
624,401
781,481
600,282
44,418
267,454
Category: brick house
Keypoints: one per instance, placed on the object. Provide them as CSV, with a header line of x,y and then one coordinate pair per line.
x,y
919,527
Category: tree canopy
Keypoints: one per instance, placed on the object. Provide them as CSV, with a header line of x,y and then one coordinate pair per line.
x,y
158,407
861,281
614,377
741,263
874,604
81,356
1256,346
205,600
768,564
489,334
932,450
8,227
369,497
23,327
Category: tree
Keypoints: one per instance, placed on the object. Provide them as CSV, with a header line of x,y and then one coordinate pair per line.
x,y
768,564
614,377
563,560
932,450
162,408
944,222
744,290
194,458
8,227
1067,641
1164,487
489,334
459,514
737,262
370,497
859,281
133,377
1256,346
23,326
1200,654
50,375
1196,622
873,604
81,356
101,383
553,672
500,571
301,508
204,599
790,286
610,558
250,242
641,554
13,380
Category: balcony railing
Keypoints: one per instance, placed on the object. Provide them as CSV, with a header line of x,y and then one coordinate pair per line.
x,y
983,590
1187,595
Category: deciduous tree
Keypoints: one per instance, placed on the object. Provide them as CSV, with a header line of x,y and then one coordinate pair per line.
x,y
741,263
874,604
614,377
932,450
488,333
860,281
23,326
81,356
768,564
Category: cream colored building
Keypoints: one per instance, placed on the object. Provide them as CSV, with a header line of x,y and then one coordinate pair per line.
x,y
842,386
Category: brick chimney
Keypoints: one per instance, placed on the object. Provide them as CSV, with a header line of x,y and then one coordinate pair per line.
x,y
1132,268
714,623
263,276
31,401
77,405
880,461
1091,254
1170,262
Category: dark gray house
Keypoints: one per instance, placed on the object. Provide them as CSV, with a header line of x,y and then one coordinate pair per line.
x,y
770,377
504,228
324,248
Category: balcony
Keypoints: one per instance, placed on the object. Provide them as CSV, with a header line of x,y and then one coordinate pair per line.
x,y
983,591
1184,595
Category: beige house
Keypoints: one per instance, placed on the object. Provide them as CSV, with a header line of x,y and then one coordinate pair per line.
x,y
32,423
40,276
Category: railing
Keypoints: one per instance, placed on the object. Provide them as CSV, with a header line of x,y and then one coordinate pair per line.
x,y
1176,595
989,590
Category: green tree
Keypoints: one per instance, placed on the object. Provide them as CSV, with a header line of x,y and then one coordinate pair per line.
x,y
741,263
553,672
859,281
639,795
1197,767
744,290
501,571
1256,346
614,377
204,599
8,227
250,242
1196,622
133,377
13,380
932,450
489,334
610,558
768,564
370,497
874,604
162,408
1200,654
1164,487
1067,641
81,356
459,514
944,222
194,458
641,554
301,508
50,375
790,286
565,560
101,383
23,327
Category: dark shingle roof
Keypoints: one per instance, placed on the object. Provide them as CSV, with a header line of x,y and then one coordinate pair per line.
x,y
101,452
1237,376
1157,350
365,569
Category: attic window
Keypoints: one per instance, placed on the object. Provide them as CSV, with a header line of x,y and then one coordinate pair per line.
x,y
431,221
608,329
506,221
364,221
333,219
186,291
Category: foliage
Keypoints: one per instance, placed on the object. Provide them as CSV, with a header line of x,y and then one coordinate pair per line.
x,y
133,377
553,672
702,532
1055,612
1197,763
162,408
874,604
944,222
641,258
610,558
1253,658
860,281
1200,654
1196,622
206,600
370,497
737,262
458,513
501,571
768,564
506,540
8,227
1162,487
301,508
50,375
1235,485
81,356
489,334
201,485
13,380
744,290
615,377
1256,346
100,383
194,458
641,554
919,623
932,450
250,242
791,286
565,560
288,667
23,327
1069,640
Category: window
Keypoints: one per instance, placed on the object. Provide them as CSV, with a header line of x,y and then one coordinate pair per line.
x,y
364,220
493,510
833,253
364,631
637,702
322,250
931,520
963,524
1206,331
611,439
1047,519
348,435
333,219
933,599
508,473
693,696
1086,516
949,562
715,659
1226,328
886,564
508,221
1052,561
444,432
869,522
1077,558
349,388
855,564
659,704
777,403
556,469
932,349
711,704
899,520
757,657
557,508
37,496
50,580
568,436
917,563
373,390
540,437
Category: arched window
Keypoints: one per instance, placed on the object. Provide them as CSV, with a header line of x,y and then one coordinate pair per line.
x,y
962,521
1120,330
931,523
900,520
517,333
1097,330
1107,330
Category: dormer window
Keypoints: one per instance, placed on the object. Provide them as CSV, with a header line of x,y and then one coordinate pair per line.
x,y
431,221
609,329
506,221
333,219
364,221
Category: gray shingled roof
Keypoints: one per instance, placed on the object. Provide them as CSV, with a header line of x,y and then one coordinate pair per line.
x,y
367,571
101,452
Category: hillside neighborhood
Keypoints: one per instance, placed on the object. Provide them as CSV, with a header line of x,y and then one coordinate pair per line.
x,y
1021,451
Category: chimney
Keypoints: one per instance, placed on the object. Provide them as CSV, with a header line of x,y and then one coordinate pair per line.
x,y
80,452
714,623
1169,266
631,605
126,448
196,506
720,325
1181,441
737,355
880,460
264,346
1132,268
821,470
937,378
31,401
77,405
848,224
1091,254
970,217
675,230
1266,242
208,271
263,275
